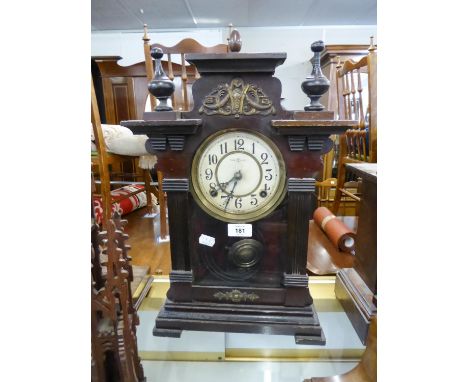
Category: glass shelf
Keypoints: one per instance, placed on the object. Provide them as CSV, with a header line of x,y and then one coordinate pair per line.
x,y
203,356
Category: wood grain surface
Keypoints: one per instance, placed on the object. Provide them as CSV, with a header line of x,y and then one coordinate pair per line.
x,y
145,248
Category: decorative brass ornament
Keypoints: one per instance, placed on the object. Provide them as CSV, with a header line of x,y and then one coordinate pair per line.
x,y
236,296
237,98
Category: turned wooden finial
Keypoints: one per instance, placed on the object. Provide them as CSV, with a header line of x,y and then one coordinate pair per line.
x,y
316,84
234,40
145,33
372,47
160,86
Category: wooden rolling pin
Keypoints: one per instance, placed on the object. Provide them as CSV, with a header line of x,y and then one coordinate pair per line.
x,y
338,233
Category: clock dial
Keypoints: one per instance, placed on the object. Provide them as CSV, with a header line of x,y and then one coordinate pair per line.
x,y
238,176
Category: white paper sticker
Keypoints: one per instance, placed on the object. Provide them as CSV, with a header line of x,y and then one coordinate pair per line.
x,y
240,230
206,240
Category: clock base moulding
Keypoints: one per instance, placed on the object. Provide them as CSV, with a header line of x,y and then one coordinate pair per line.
x,y
301,322
285,310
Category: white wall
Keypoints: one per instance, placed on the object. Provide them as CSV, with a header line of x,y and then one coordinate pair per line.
x,y
295,41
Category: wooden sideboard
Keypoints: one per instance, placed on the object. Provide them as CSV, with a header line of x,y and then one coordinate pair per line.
x,y
121,90
356,288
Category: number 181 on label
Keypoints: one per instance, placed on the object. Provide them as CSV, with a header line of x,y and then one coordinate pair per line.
x,y
240,230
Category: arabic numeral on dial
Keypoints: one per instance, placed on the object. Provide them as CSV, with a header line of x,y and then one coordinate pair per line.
x,y
212,159
213,191
212,186
253,200
268,176
264,193
264,157
238,203
209,174
239,144
223,148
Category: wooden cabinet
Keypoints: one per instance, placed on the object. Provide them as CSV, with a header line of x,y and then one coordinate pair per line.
x,y
356,288
121,90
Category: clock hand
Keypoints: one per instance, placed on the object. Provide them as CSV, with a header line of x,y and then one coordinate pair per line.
x,y
231,194
222,186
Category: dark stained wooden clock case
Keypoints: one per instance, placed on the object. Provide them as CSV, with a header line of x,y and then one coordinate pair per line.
x,y
209,291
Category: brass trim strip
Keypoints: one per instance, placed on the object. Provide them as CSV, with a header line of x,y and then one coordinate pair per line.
x,y
180,356
293,354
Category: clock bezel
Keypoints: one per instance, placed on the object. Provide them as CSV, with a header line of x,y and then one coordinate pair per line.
x,y
259,213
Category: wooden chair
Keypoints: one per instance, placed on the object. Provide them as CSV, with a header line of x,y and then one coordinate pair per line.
x,y
182,98
356,145
324,194
326,191
105,162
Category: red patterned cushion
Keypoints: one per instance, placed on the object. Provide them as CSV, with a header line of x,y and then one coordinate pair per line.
x,y
126,205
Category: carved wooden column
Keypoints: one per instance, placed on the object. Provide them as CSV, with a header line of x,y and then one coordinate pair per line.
x,y
177,204
299,211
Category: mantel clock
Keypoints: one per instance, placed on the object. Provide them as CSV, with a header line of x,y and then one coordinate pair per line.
x,y
239,176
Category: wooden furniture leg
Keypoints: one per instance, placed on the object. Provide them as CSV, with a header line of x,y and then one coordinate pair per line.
x,y
149,202
105,178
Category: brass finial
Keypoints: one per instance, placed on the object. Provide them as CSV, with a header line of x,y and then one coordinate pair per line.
x,y
372,46
145,33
